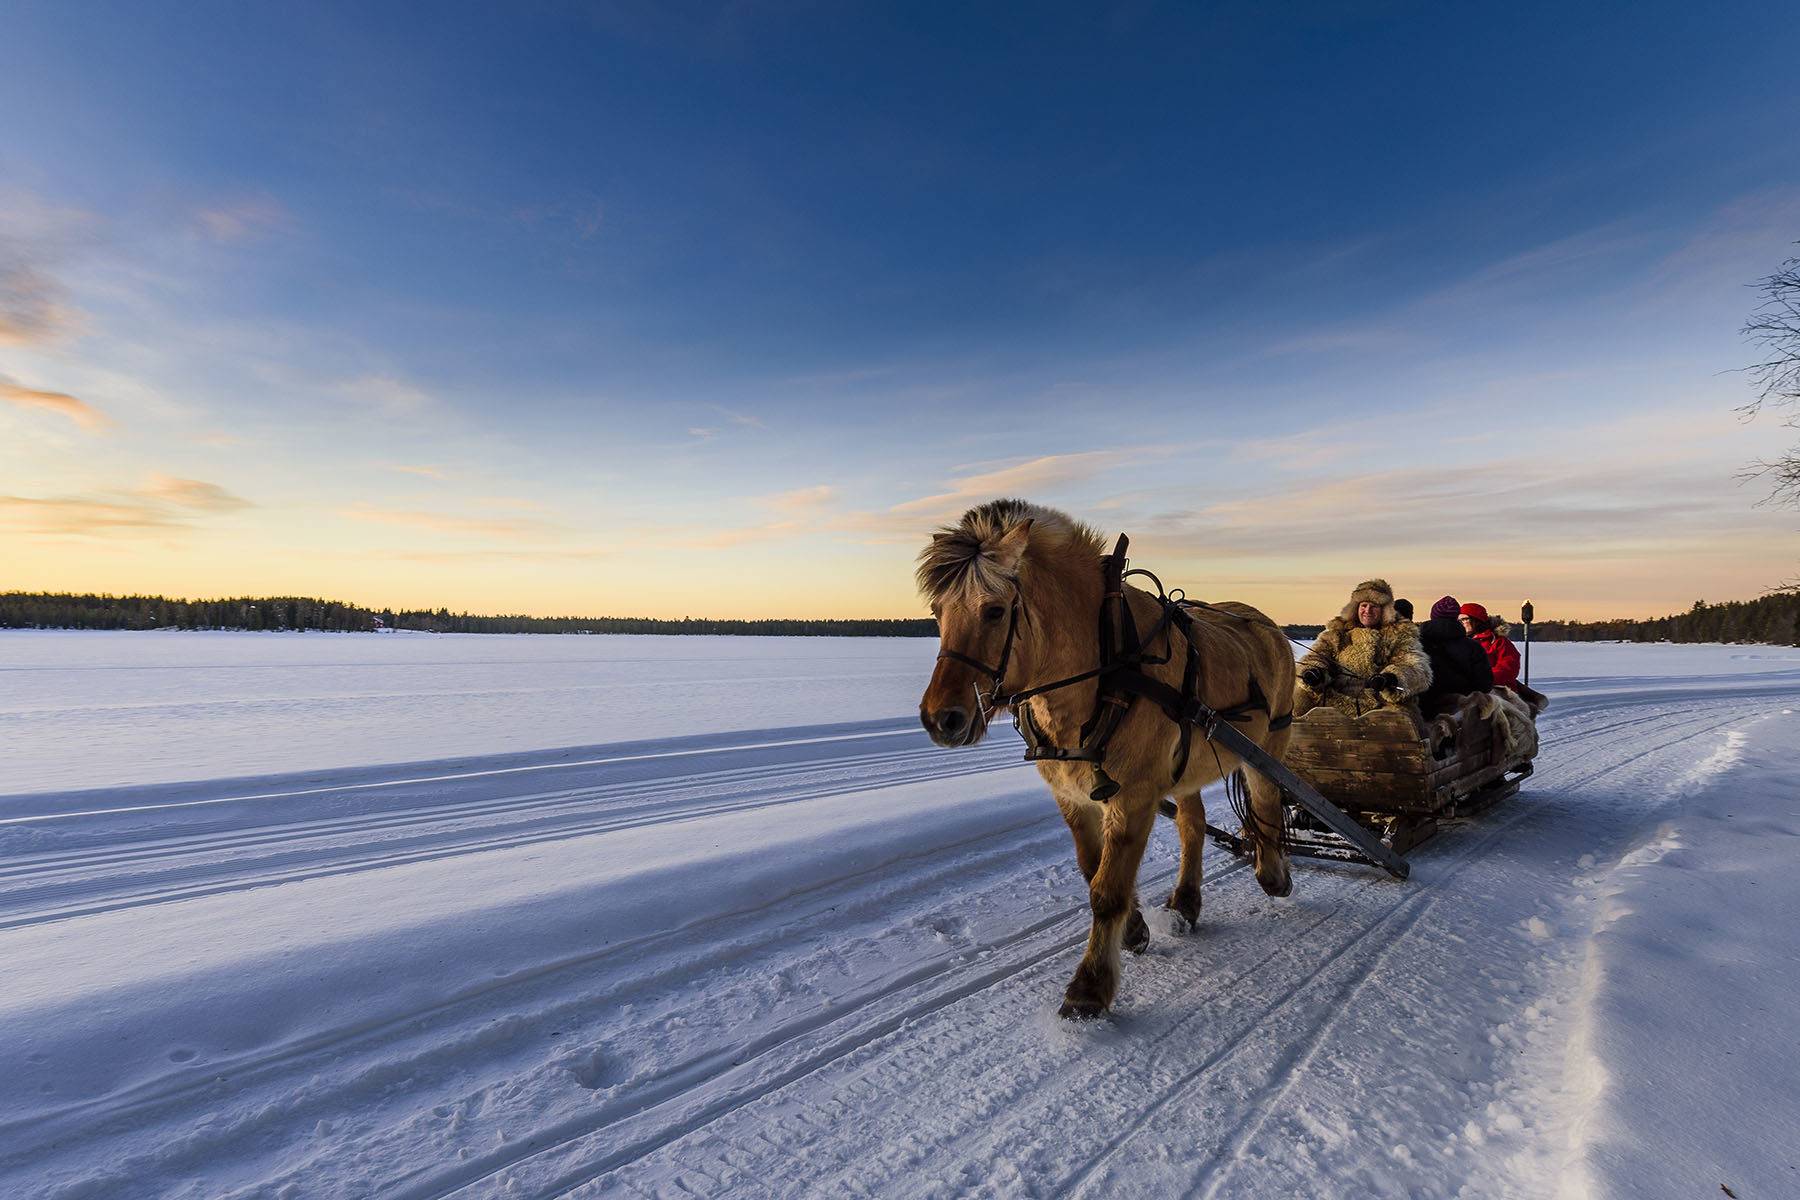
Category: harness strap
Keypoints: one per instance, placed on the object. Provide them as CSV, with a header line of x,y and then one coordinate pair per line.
x,y
1122,680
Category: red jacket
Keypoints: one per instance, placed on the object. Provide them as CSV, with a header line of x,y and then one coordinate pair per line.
x,y
1503,656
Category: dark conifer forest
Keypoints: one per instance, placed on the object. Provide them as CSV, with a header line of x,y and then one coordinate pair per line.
x,y
1773,620
28,610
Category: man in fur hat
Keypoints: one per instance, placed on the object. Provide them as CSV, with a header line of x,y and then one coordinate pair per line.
x,y
1367,658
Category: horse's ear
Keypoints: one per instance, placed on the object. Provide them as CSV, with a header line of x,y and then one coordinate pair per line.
x,y
1011,547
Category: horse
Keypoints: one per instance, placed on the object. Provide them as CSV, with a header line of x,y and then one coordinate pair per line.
x,y
1016,588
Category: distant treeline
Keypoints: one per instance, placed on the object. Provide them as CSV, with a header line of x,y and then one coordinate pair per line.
x,y
37,610
1773,619
1770,620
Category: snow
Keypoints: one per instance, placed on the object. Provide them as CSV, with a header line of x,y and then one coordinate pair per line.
x,y
341,915
86,710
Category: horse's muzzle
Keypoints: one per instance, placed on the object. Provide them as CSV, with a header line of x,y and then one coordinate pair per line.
x,y
953,725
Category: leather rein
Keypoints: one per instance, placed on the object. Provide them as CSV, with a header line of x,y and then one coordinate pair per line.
x,y
1123,655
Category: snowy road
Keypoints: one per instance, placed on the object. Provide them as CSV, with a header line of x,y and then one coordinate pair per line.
x,y
825,960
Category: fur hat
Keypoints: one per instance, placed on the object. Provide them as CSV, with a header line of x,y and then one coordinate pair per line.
x,y
1445,607
1375,591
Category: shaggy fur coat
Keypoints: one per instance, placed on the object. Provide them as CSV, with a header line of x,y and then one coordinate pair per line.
x,y
1350,655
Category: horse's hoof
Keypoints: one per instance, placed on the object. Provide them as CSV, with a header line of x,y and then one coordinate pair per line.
x,y
1137,932
1090,992
1185,902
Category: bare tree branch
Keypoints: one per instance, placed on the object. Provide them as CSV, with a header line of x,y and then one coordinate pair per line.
x,y
1774,327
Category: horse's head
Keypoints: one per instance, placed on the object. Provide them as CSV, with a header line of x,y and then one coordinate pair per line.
x,y
970,575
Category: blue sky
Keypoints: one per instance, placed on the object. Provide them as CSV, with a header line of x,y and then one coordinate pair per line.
x,y
592,307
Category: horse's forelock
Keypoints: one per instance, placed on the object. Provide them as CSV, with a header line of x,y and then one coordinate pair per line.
x,y
956,561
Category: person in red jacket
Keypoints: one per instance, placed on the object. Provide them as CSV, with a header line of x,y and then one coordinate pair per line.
x,y
1503,656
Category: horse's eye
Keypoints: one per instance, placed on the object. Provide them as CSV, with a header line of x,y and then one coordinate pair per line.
x,y
993,612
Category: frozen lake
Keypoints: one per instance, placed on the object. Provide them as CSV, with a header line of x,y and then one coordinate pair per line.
x,y
91,708
86,709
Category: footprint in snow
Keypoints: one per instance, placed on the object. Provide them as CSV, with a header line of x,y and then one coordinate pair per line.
x,y
595,1069
947,929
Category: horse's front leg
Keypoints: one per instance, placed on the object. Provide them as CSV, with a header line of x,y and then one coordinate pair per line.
x,y
1112,892
1086,820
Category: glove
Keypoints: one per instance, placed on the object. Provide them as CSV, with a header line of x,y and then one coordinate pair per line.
x,y
1314,677
1387,681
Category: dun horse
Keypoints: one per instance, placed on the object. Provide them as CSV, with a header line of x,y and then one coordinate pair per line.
x,y
1018,593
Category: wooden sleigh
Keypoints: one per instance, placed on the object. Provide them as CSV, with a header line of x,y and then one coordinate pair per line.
x,y
1393,779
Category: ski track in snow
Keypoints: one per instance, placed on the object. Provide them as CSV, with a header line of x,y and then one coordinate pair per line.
x,y
862,1006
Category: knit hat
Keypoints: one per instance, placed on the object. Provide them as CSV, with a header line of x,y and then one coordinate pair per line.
x,y
1445,607
1403,609
1474,612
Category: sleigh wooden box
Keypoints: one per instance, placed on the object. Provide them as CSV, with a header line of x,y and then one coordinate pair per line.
x,y
1396,780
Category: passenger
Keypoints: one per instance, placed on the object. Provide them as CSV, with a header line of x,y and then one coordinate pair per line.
x,y
1459,665
1366,658
1503,656
1490,634
1403,609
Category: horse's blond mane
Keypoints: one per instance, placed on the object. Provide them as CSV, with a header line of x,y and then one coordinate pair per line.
x,y
959,561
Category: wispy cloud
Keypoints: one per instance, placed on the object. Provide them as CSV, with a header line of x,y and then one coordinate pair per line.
x,y
82,515
1050,470
444,523
1032,477
1528,509
725,539
422,469
1306,450
35,238
741,419
193,494
167,502
1346,340
806,500
703,432
465,557
387,395
77,410
244,218
513,503
1550,266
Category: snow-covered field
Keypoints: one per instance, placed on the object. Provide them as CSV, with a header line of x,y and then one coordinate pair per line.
x,y
409,917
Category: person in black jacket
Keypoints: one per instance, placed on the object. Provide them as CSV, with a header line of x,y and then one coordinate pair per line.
x,y
1458,663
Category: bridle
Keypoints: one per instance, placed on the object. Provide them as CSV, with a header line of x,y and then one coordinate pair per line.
x,y
997,696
